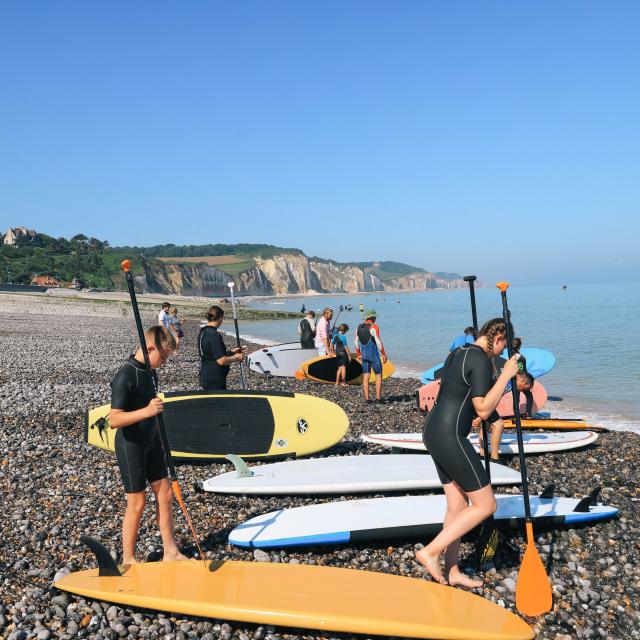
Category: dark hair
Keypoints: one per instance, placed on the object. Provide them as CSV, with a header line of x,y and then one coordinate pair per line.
x,y
528,378
517,343
343,328
214,313
165,304
470,331
311,313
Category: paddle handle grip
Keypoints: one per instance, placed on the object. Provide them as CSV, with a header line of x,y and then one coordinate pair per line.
x,y
503,286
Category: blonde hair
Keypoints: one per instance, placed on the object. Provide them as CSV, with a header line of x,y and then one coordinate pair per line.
x,y
173,311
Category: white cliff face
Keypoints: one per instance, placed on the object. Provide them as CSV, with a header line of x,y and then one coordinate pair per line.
x,y
282,274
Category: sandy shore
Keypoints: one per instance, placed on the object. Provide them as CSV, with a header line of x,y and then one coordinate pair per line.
x,y
55,487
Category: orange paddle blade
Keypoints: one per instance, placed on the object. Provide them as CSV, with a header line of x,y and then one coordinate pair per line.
x,y
503,286
126,265
533,589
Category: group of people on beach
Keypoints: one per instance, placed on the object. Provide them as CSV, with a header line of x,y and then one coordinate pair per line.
x,y
471,388
330,340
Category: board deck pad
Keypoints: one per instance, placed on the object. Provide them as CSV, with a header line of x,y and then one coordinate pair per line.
x,y
306,596
344,474
395,517
204,425
325,368
533,442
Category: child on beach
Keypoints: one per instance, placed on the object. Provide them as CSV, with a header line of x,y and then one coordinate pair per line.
x,y
139,452
343,355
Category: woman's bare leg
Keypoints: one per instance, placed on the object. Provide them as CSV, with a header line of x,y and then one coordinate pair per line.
x,y
483,504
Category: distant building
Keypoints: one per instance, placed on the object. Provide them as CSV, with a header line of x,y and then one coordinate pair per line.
x,y
45,281
75,284
18,235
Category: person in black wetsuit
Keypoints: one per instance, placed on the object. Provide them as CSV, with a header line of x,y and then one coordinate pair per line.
x,y
215,358
467,390
307,330
139,453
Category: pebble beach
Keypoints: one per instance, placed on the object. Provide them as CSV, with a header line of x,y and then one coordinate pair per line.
x,y
56,365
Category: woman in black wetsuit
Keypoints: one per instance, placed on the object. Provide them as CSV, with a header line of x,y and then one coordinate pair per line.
x,y
466,391
214,356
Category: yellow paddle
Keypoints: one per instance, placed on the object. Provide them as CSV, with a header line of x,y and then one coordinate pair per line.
x,y
533,589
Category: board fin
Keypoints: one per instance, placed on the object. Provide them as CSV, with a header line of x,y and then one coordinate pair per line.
x,y
588,501
242,469
548,491
106,564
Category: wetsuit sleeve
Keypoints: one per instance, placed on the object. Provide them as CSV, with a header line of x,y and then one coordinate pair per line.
x,y
217,347
122,388
480,374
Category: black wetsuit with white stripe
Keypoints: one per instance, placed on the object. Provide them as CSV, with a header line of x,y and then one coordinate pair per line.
x,y
138,447
468,374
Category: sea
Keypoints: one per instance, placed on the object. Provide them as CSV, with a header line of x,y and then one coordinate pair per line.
x,y
590,328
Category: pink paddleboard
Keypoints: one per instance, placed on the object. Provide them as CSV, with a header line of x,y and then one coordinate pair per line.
x,y
428,393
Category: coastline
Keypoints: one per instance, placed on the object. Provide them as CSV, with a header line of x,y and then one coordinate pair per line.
x,y
54,369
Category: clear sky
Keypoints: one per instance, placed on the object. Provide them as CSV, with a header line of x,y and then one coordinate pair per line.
x,y
496,138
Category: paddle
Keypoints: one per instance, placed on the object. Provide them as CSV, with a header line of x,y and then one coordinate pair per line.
x,y
533,589
235,322
487,541
126,266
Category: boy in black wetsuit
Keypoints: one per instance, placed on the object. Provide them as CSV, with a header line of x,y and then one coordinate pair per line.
x,y
139,452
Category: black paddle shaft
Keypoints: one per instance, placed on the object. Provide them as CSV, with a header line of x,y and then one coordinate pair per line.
x,y
474,318
516,407
154,382
235,322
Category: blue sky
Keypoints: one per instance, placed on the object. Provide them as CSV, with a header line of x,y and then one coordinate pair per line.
x,y
496,138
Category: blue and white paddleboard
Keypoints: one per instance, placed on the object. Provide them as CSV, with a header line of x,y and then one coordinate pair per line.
x,y
414,517
539,362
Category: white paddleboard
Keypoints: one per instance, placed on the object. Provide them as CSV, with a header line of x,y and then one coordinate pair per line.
x,y
533,442
280,359
404,516
343,474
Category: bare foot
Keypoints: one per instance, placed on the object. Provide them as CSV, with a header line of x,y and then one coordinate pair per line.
x,y
128,561
431,564
176,555
459,579
344,384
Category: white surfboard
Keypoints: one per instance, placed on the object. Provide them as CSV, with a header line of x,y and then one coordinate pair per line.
x,y
280,359
533,442
416,517
343,474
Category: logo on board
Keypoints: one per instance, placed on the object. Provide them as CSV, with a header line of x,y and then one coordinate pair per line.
x,y
303,425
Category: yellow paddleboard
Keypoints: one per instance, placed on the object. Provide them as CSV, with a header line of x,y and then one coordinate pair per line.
x,y
324,369
312,597
204,425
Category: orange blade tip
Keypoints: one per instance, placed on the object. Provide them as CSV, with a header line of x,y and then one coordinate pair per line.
x,y
503,286
533,589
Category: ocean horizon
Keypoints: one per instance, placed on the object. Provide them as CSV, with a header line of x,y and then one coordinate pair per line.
x,y
581,325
